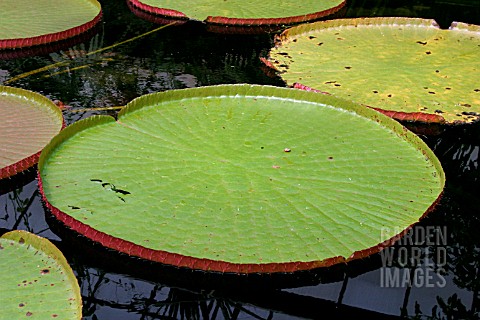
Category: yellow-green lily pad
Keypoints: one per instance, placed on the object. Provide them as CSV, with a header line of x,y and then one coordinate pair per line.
x,y
408,68
36,281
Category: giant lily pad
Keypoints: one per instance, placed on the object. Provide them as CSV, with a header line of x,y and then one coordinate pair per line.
x,y
28,121
235,14
409,68
27,23
36,281
240,178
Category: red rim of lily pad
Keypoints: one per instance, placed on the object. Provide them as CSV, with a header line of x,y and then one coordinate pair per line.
x,y
271,71
222,24
178,260
417,121
140,12
47,48
26,163
206,264
7,44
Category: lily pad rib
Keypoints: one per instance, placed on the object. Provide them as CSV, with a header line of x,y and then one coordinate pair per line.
x,y
22,165
179,260
275,21
167,257
175,259
19,166
156,10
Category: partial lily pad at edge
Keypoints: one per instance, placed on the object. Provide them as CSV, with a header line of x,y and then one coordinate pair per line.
x,y
408,68
236,16
240,178
28,120
36,280
30,23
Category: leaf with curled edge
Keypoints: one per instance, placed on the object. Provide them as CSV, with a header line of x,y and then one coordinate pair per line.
x,y
240,178
27,23
28,121
36,280
237,16
406,68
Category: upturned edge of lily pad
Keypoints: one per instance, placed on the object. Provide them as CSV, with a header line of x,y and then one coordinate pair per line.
x,y
220,24
418,122
50,38
25,164
204,264
26,238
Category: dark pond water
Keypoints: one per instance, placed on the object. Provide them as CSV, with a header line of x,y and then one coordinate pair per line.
x,y
444,280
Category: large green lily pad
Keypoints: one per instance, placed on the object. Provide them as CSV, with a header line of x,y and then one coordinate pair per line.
x,y
408,67
240,178
239,12
36,281
28,121
27,23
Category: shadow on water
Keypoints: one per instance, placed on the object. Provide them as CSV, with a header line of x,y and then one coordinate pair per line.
x,y
431,273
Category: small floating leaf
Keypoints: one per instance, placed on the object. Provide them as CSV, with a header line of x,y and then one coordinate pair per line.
x,y
36,279
240,178
407,67
28,121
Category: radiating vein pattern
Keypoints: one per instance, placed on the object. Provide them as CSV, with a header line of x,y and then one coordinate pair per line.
x,y
243,178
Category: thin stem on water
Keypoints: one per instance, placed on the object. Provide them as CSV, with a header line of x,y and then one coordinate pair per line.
x,y
66,62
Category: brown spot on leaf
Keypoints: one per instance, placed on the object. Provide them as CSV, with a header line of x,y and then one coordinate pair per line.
x,y
320,43
21,241
465,113
28,314
348,68
276,167
21,305
422,42
287,150
428,52
44,271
